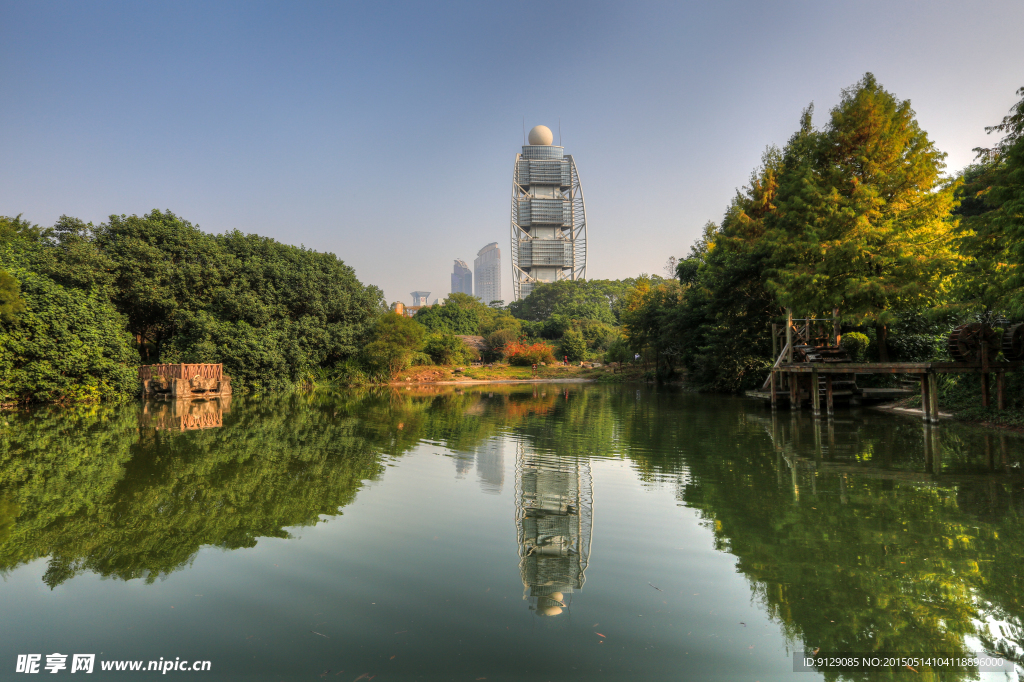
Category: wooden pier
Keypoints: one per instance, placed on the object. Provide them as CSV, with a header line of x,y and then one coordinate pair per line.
x,y
796,382
813,365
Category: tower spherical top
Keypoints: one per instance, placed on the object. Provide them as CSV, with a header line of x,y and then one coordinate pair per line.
x,y
541,135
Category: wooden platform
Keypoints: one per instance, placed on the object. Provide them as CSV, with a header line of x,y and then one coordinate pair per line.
x,y
864,396
796,382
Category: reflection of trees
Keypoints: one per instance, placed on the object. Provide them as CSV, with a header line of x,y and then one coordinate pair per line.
x,y
856,535
554,524
865,537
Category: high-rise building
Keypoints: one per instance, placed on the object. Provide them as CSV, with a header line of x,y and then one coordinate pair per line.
x,y
487,273
462,278
549,220
419,298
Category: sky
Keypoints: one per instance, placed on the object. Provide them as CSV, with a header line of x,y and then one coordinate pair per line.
x,y
386,133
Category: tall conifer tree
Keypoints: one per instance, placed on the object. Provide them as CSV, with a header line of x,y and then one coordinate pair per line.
x,y
863,213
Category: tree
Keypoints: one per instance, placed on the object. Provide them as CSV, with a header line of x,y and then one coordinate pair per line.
x,y
460,314
862,221
11,302
992,221
393,340
573,347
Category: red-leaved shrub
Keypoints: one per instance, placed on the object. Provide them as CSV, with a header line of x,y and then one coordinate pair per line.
x,y
523,355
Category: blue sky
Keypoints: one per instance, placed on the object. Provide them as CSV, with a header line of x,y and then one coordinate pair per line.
x,y
386,132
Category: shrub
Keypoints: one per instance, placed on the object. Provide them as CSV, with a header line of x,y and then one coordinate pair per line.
x,y
855,344
522,355
448,349
573,347
618,351
498,340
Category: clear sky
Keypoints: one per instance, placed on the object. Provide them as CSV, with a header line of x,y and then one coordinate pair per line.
x,y
386,132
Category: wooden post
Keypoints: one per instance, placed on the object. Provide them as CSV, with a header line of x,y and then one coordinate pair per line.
x,y
984,389
933,397
835,325
775,342
828,395
774,397
925,398
1000,390
815,392
789,334
794,391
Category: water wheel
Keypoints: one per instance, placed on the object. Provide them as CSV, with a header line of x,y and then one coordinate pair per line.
x,y
966,341
1013,343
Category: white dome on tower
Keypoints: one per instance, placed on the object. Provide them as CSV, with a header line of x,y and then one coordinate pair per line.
x,y
541,135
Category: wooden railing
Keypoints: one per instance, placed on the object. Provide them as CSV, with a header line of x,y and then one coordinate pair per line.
x,y
181,371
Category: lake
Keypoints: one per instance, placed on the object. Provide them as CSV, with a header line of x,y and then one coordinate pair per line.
x,y
503,532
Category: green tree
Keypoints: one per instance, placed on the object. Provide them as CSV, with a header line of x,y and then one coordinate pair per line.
x,y
446,348
572,346
992,222
862,221
11,302
393,341
460,314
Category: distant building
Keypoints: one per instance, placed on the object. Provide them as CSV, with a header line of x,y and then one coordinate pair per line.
x,y
487,271
419,298
549,223
462,278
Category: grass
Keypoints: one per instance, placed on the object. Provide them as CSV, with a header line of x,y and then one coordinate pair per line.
x,y
436,373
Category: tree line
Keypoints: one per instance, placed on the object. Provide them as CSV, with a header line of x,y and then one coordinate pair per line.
x,y
857,218
860,217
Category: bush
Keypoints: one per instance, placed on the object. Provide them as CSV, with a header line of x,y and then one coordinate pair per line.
x,y
448,349
573,347
66,346
523,356
394,344
498,340
856,344
618,351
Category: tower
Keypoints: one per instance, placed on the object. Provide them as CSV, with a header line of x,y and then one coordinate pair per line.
x,y
549,220
487,273
462,278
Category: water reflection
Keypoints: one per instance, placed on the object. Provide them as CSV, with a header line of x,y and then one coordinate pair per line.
x,y
864,533
554,527
184,414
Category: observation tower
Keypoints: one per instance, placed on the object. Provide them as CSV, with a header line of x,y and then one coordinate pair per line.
x,y
549,219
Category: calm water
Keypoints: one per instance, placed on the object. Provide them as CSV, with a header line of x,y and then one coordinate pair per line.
x,y
504,533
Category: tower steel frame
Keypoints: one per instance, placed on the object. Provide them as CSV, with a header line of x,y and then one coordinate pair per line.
x,y
572,231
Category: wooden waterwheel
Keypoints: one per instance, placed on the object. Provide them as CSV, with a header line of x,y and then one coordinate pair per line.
x,y
966,342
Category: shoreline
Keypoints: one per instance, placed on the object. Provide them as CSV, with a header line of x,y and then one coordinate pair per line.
x,y
458,382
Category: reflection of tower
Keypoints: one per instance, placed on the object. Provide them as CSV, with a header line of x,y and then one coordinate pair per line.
x,y
490,465
554,526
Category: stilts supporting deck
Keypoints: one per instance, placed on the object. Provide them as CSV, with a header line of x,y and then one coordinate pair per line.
x,y
799,381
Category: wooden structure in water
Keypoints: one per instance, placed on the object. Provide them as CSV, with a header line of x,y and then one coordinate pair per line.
x,y
184,380
814,367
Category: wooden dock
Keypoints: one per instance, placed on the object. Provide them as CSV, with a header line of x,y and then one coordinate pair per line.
x,y
796,382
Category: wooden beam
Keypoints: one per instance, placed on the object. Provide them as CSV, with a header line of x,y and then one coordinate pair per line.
x,y
774,397
794,392
984,390
933,397
829,407
925,398
815,393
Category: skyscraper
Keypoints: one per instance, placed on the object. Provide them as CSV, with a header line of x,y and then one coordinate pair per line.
x,y
462,278
487,273
549,221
